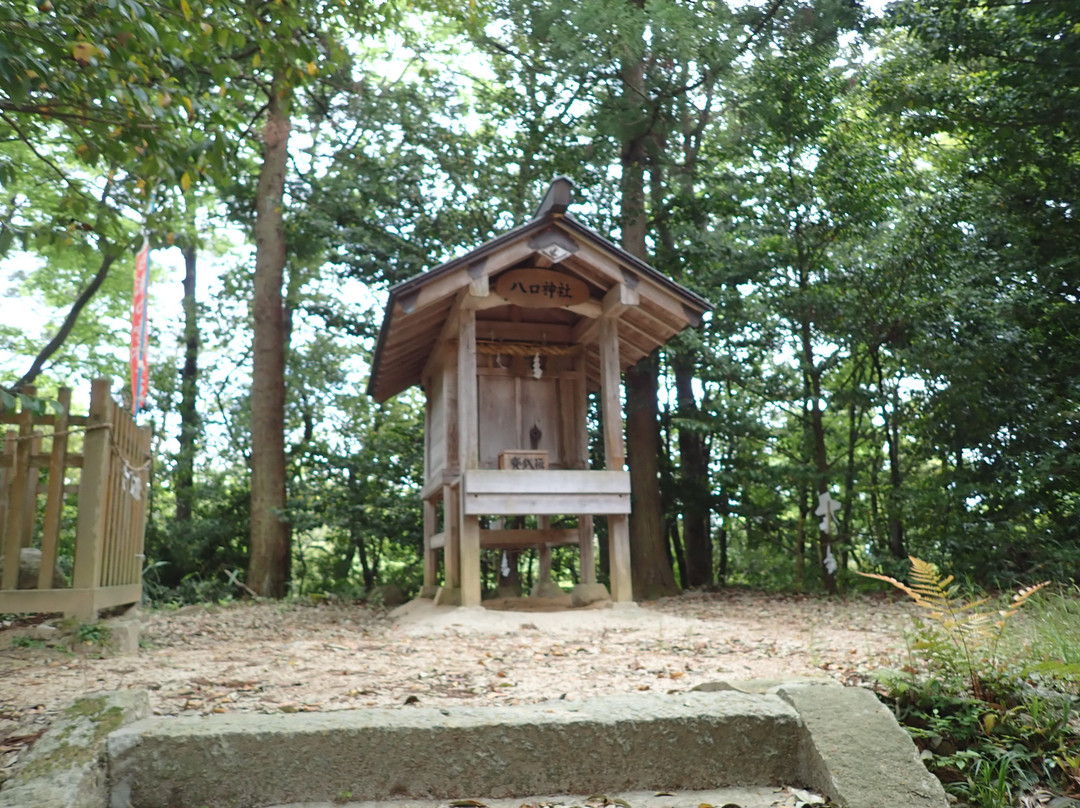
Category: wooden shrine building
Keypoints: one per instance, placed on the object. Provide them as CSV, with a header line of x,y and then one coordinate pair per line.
x,y
506,342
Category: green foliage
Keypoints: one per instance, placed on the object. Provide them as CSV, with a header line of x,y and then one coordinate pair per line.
x,y
890,238
96,633
991,723
1051,641
988,92
989,753
189,561
960,637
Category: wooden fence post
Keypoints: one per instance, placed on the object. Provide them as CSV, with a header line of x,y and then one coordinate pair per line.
x,y
54,499
139,523
7,470
30,492
93,493
16,497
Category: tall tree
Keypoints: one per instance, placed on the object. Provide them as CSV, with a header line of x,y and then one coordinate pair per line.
x,y
190,426
650,567
793,167
268,565
97,105
990,92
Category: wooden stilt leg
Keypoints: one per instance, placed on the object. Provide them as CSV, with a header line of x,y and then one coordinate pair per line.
x,y
470,560
585,545
451,524
431,558
619,554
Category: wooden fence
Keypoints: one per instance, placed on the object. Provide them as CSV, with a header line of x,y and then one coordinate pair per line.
x,y
77,485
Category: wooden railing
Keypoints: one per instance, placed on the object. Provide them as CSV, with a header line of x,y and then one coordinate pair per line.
x,y
45,478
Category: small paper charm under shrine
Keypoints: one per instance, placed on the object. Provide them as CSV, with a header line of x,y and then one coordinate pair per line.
x,y
507,342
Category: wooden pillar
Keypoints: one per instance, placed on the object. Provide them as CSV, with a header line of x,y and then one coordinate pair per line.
x,y
614,457
30,491
543,553
545,586
468,443
93,486
54,500
6,473
430,555
452,545
585,546
18,480
142,506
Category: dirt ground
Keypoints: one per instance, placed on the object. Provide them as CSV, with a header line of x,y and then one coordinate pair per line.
x,y
290,657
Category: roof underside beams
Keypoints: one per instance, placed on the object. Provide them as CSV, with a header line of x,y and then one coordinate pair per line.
x,y
649,308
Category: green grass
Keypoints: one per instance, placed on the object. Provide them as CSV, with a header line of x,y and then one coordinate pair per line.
x,y
995,722
1049,635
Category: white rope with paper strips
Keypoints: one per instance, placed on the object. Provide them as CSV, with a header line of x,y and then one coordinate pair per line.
x,y
827,509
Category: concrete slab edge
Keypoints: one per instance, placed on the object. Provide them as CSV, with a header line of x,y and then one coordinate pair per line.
x,y
856,753
840,742
619,743
66,767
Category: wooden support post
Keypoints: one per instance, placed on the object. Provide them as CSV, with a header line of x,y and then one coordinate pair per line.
x,y
430,554
619,556
425,384
118,498
610,399
614,457
7,470
30,491
470,559
54,499
545,586
452,529
467,403
139,510
585,545
16,497
93,490
568,448
469,446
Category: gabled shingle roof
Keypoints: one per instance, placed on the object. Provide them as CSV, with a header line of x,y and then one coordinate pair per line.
x,y
418,307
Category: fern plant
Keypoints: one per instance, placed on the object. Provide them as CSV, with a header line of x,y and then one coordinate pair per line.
x,y
961,635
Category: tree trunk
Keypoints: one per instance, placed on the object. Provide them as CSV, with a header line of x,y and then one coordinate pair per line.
x,y
268,565
829,562
367,571
812,374
190,423
854,427
812,397
896,482
693,478
676,552
649,566
724,509
892,441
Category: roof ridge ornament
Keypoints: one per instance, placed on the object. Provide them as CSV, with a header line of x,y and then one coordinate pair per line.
x,y
557,199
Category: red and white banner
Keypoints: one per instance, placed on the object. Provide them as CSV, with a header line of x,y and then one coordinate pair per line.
x,y
140,330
